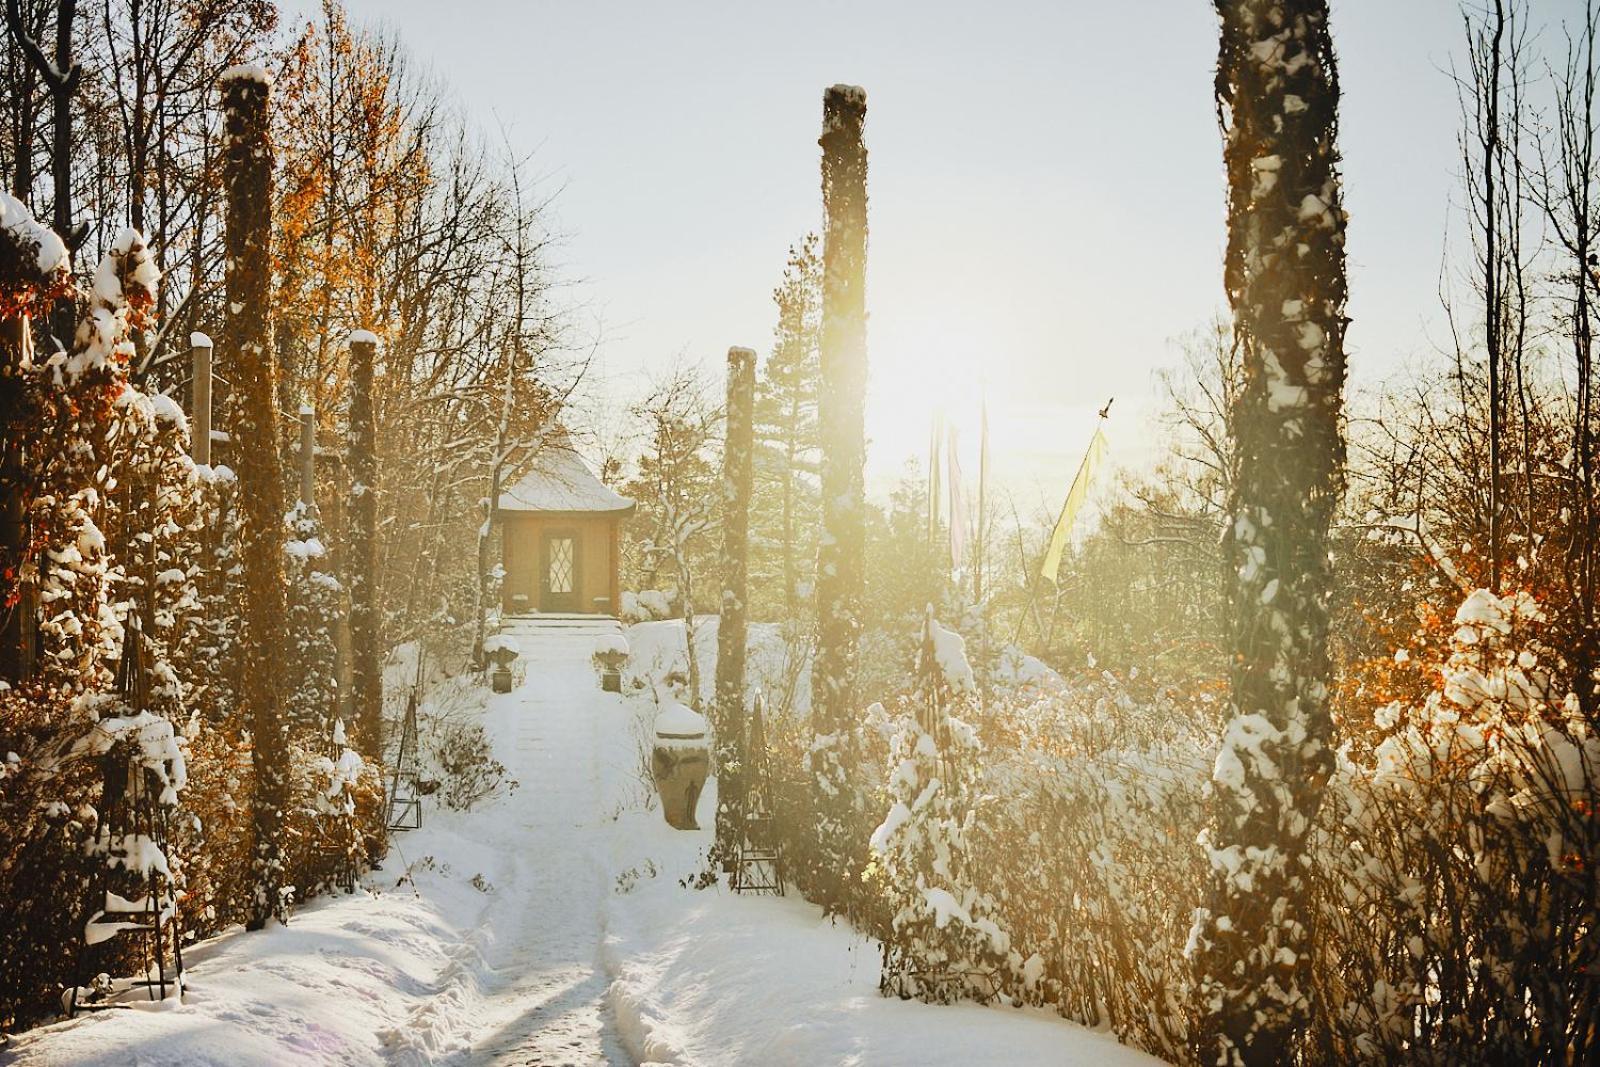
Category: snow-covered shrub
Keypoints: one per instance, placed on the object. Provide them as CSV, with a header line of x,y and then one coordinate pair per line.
x,y
469,773
1044,853
1454,860
315,603
1457,867
647,605
458,761
220,584
336,808
943,941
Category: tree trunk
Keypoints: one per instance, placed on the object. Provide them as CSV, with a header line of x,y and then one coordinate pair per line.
x,y
841,422
733,626
60,76
15,625
1493,296
366,667
791,570
1277,92
248,160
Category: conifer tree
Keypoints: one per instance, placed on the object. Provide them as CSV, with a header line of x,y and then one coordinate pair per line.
x,y
315,595
1277,93
841,419
785,507
247,164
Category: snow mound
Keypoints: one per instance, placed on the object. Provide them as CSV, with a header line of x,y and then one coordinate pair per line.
x,y
247,72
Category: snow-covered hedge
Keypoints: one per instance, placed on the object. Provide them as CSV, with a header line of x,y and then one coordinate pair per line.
x,y
1454,861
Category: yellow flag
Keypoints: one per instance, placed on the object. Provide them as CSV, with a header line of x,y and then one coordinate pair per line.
x,y
1075,498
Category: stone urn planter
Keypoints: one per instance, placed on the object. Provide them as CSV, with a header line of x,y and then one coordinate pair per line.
x,y
502,652
679,762
610,653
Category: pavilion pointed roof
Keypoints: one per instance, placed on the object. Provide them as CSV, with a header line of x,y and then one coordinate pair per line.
x,y
560,482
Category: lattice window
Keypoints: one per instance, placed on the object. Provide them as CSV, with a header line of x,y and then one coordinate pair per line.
x,y
561,550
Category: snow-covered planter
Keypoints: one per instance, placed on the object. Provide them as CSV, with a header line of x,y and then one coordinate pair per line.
x,y
610,654
680,759
502,651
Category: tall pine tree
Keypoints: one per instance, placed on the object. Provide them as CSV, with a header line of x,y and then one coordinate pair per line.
x,y
784,509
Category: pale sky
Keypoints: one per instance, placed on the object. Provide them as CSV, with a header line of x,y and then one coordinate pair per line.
x,y
1046,191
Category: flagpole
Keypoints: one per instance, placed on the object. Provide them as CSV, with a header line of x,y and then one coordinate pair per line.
x,y
935,442
981,541
983,479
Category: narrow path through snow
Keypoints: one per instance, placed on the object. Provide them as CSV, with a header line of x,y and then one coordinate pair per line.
x,y
545,988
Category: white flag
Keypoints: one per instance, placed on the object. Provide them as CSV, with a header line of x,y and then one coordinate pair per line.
x,y
1074,501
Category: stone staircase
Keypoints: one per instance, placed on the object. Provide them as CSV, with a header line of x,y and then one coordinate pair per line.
x,y
552,625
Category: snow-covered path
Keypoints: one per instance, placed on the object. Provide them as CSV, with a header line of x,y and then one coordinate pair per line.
x,y
545,989
551,927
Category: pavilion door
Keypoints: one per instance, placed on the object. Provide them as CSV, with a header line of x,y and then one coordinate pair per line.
x,y
558,571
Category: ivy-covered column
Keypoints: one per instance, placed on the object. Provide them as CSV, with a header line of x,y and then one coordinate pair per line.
x,y
733,624
1278,94
247,236
841,416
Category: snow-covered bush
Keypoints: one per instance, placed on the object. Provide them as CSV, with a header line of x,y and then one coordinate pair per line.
x,y
458,761
943,941
1454,860
647,605
335,812
1457,865
315,604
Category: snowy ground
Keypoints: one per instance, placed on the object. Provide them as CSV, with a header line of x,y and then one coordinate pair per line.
x,y
550,927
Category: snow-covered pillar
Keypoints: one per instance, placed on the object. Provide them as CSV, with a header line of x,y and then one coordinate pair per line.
x,y
247,235
200,424
1277,91
308,456
842,432
733,625
366,667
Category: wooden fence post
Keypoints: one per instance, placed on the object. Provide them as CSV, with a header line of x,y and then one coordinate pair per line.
x,y
366,666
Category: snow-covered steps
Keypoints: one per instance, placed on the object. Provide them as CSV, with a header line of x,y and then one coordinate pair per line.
x,y
560,625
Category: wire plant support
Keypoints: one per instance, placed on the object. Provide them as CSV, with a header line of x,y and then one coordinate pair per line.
x,y
405,796
758,861
405,786
132,895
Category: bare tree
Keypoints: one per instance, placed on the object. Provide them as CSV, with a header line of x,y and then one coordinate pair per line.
x,y
1567,195
60,75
